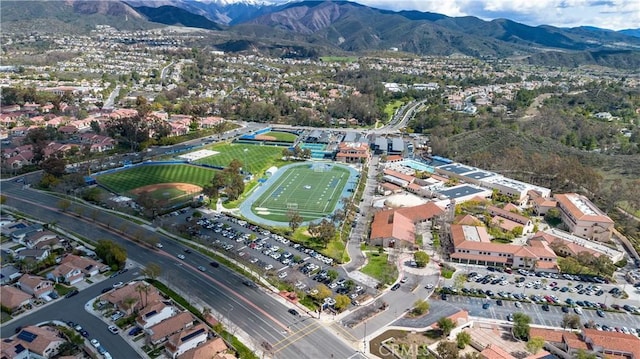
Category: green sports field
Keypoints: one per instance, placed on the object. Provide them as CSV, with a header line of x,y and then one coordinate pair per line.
x,y
257,158
282,136
301,188
126,180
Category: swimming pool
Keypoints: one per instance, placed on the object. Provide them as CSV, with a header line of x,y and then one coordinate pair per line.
x,y
417,165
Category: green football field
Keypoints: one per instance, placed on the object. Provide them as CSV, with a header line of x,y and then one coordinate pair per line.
x,y
125,180
311,193
254,158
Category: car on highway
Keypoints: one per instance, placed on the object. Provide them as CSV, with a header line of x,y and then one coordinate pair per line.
x,y
214,264
249,283
181,256
188,251
113,329
104,290
293,312
202,268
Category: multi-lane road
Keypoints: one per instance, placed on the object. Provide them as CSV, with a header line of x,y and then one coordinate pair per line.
x,y
261,316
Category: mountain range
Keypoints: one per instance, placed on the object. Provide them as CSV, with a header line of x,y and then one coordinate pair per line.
x,y
342,26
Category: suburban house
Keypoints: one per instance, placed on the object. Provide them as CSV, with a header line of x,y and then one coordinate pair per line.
x,y
35,255
132,296
66,273
211,349
40,239
393,227
19,235
160,332
33,342
13,298
8,274
186,339
154,313
472,244
35,285
88,266
583,218
352,152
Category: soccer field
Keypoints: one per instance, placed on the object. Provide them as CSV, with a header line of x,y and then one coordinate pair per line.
x,y
304,189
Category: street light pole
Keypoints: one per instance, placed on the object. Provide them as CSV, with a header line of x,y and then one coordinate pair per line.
x,y
364,338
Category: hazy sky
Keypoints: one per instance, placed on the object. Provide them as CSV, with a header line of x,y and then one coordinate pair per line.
x,y
607,14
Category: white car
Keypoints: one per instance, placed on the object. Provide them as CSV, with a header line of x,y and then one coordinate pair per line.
x,y
95,343
113,329
282,275
268,267
181,256
118,285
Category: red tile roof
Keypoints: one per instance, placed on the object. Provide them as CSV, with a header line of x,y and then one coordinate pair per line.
x,y
593,213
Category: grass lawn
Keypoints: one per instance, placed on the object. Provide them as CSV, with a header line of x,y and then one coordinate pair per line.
x,y
126,180
63,289
312,194
257,158
391,108
338,58
378,268
282,136
334,249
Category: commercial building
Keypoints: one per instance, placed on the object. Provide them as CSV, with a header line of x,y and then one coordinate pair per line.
x,y
583,219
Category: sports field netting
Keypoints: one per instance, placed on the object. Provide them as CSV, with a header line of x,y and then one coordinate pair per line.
x,y
304,189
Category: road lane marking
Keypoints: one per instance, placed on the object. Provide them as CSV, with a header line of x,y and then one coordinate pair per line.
x,y
294,339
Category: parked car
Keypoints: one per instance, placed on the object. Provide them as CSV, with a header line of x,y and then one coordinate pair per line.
x,y
72,293
118,285
113,329
395,286
135,331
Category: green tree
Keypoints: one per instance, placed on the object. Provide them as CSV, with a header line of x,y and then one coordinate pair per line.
x,y
421,258
571,321
323,292
324,231
553,217
342,302
295,219
463,339
152,270
521,326
446,325
64,205
111,253
447,350
583,354
420,307
535,344
459,281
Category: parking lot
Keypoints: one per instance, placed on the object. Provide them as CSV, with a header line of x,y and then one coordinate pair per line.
x,y
553,317
272,255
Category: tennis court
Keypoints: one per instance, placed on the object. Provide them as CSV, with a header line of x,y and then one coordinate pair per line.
x,y
311,190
